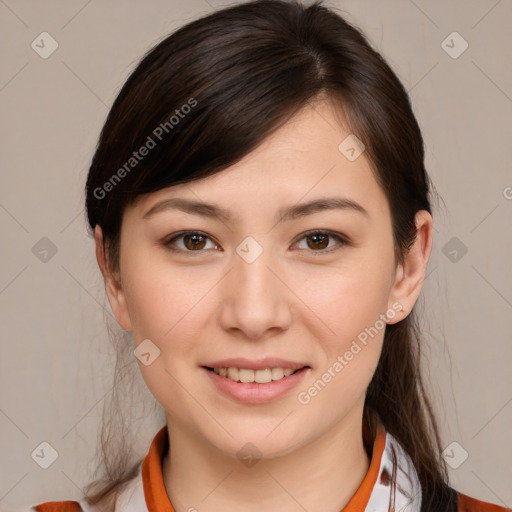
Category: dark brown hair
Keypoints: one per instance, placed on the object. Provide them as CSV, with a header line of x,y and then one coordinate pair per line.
x,y
209,94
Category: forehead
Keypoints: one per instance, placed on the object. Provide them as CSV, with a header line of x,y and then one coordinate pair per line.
x,y
304,159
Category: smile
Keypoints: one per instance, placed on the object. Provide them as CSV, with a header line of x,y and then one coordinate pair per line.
x,y
247,375
255,386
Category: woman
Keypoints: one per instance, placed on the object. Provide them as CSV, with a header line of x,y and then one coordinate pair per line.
x,y
262,221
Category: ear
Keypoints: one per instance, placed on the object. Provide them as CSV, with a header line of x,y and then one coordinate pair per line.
x,y
113,287
410,274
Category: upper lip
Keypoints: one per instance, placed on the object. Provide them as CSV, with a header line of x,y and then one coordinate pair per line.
x,y
255,364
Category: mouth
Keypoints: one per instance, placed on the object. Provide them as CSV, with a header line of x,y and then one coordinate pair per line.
x,y
248,375
256,386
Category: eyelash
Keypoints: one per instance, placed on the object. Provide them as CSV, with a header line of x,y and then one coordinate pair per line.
x,y
342,241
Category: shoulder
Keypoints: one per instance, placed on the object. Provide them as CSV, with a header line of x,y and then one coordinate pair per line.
x,y
451,500
469,504
129,497
57,506
64,506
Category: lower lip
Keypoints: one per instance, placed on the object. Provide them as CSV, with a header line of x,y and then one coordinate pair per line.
x,y
253,392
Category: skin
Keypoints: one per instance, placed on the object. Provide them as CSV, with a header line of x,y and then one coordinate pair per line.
x,y
293,302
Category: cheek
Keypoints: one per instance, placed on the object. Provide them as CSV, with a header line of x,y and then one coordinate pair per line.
x,y
161,297
353,343
349,298
350,304
165,303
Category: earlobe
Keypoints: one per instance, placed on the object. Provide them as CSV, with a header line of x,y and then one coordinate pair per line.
x,y
113,287
411,273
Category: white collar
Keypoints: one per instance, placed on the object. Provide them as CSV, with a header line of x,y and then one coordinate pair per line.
x,y
397,486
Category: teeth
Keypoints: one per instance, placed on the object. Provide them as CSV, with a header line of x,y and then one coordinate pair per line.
x,y
232,373
248,375
277,373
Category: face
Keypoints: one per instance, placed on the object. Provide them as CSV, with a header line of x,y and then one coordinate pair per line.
x,y
311,292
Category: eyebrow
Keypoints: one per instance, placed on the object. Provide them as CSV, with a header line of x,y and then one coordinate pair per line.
x,y
213,211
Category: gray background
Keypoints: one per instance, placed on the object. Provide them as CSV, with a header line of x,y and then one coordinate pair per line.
x,y
56,363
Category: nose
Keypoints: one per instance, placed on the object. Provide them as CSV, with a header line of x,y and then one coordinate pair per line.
x,y
255,301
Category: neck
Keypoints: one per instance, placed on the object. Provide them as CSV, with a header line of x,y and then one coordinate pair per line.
x,y
322,475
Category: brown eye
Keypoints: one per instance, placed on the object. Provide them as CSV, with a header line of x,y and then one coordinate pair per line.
x,y
191,241
318,241
194,242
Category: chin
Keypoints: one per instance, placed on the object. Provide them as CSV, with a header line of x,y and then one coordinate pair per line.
x,y
250,442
